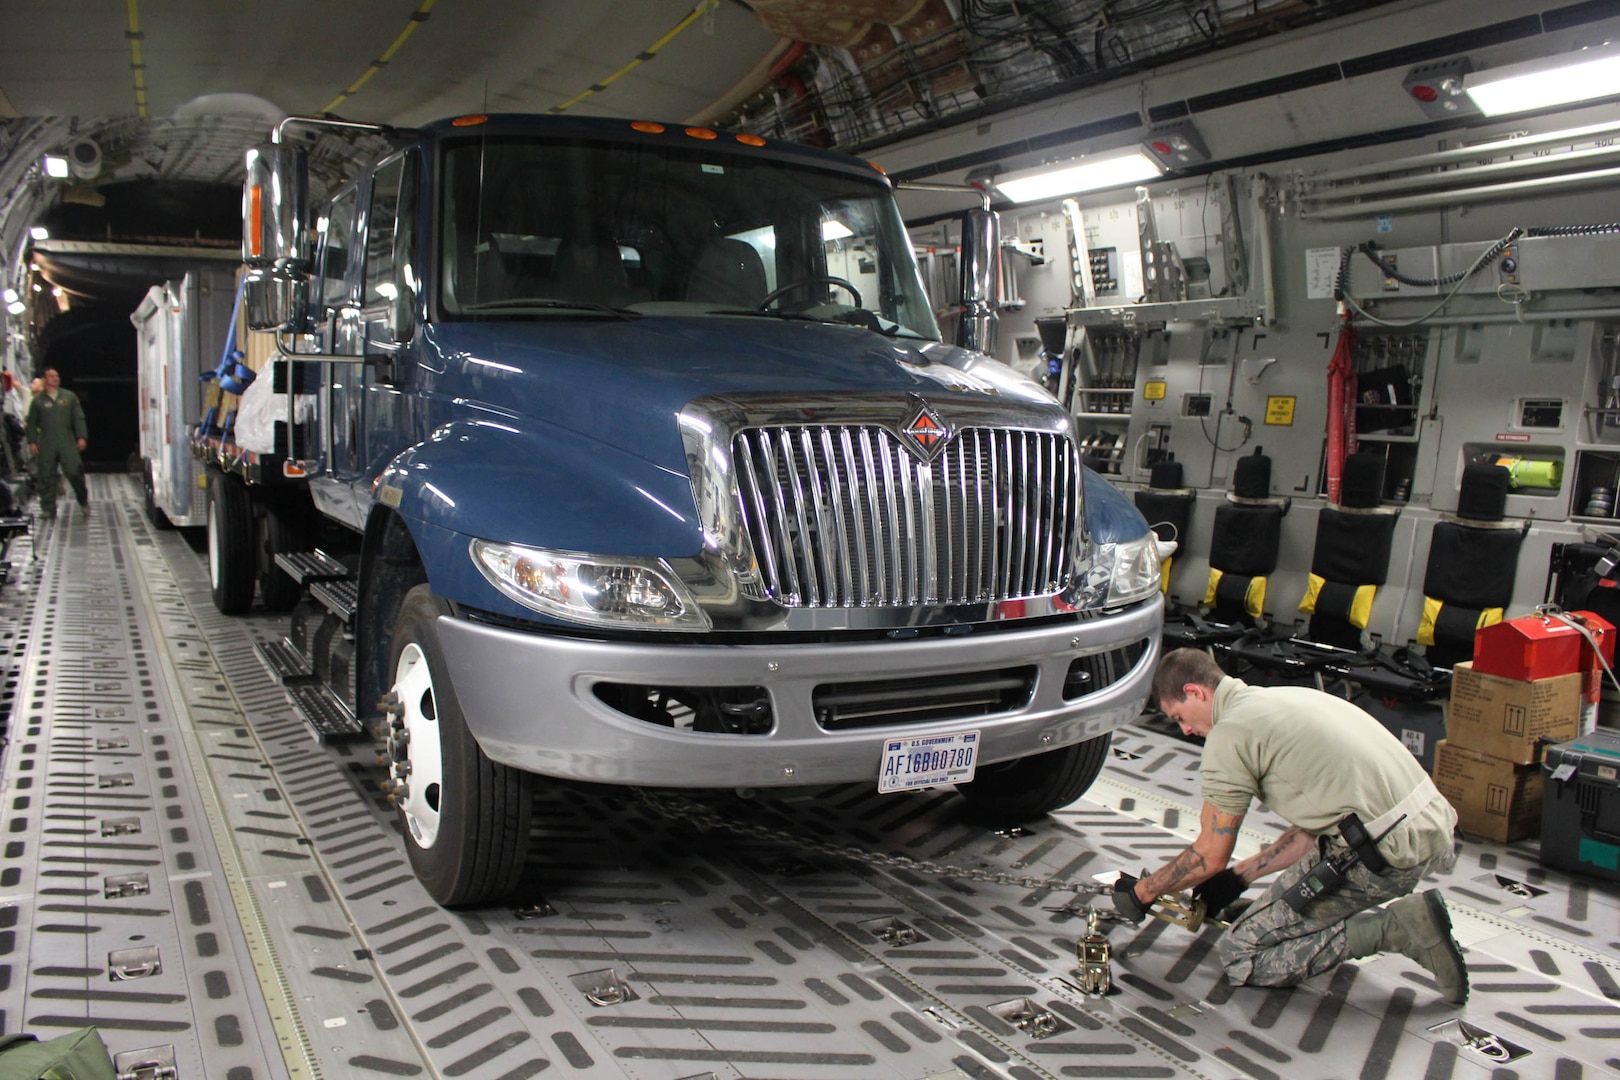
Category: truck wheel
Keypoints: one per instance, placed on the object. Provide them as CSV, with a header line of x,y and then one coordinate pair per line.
x,y
230,543
279,530
1019,790
157,517
466,819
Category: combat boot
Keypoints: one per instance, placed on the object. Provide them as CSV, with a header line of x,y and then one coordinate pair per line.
x,y
1419,928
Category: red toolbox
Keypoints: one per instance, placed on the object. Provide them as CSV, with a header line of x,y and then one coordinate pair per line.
x,y
1544,647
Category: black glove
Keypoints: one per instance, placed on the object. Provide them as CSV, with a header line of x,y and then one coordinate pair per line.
x,y
1125,901
1219,891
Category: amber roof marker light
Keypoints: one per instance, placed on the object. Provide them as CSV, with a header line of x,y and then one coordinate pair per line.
x,y
470,120
647,127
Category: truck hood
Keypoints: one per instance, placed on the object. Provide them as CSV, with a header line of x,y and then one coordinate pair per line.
x,y
623,382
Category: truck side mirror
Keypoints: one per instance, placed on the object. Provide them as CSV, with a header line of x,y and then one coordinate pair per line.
x,y
981,277
274,299
275,207
275,240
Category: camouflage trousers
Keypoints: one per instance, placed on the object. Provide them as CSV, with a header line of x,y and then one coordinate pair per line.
x,y
1271,944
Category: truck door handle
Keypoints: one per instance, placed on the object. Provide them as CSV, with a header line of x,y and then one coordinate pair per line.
x,y
384,364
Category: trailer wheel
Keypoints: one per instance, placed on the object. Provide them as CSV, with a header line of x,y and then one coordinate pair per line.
x,y
157,517
230,543
466,819
1029,787
279,529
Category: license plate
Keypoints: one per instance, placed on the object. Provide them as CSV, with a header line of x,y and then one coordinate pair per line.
x,y
927,761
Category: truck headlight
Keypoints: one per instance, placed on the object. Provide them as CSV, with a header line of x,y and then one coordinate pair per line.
x,y
1122,572
624,592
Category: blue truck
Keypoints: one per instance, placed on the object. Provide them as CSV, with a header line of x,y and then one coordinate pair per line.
x,y
640,460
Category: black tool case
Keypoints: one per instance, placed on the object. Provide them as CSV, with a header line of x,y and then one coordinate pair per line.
x,y
1580,814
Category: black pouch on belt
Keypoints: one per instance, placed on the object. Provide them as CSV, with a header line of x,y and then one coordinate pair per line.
x,y
1356,838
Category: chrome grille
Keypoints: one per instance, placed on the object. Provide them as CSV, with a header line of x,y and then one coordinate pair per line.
x,y
845,516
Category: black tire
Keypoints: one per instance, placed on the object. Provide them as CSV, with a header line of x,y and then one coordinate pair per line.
x,y
480,837
281,527
157,517
230,544
1030,787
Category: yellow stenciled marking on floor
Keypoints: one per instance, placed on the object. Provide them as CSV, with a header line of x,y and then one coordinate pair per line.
x,y
278,998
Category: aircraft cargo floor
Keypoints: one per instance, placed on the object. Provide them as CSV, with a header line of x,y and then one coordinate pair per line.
x,y
188,870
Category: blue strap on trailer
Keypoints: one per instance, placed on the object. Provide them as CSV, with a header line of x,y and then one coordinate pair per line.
x,y
233,375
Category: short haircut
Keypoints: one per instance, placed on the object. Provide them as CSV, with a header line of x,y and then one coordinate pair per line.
x,y
1180,667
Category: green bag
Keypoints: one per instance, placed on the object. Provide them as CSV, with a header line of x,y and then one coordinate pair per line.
x,y
78,1055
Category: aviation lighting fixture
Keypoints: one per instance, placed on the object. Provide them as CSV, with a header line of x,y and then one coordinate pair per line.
x,y
1539,84
56,166
39,232
1088,174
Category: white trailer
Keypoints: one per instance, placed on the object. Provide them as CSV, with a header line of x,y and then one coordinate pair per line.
x,y
180,328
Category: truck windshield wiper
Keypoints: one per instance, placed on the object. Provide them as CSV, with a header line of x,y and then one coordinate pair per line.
x,y
872,323
551,305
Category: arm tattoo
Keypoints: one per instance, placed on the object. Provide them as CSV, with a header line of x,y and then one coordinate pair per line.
x,y
1266,860
1198,860
1185,869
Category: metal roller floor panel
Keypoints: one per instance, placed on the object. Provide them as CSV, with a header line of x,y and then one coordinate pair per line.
x,y
190,871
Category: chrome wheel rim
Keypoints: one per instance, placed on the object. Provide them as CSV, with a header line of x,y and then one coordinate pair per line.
x,y
418,764
213,544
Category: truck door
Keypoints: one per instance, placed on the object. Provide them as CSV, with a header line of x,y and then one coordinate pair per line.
x,y
345,388
387,312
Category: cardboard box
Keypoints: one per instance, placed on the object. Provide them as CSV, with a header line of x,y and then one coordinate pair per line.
x,y
1509,718
1540,646
1495,799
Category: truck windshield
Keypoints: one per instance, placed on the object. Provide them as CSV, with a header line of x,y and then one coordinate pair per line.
x,y
543,228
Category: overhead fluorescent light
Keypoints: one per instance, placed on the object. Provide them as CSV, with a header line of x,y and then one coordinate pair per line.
x,y
9,296
56,166
16,307
1540,84
1087,174
39,232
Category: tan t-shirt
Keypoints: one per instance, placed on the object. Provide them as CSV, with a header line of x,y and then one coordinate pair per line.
x,y
1313,758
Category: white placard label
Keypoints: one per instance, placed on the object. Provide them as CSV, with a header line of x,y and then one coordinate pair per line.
x,y
1321,271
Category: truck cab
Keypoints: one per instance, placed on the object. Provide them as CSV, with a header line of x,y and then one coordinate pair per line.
x,y
651,468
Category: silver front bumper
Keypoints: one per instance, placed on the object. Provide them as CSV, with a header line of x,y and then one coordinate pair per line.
x,y
528,700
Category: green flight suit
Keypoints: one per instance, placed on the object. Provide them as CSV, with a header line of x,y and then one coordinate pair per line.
x,y
55,425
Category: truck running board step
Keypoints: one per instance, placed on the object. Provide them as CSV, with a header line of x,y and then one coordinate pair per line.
x,y
284,663
306,566
326,717
340,597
